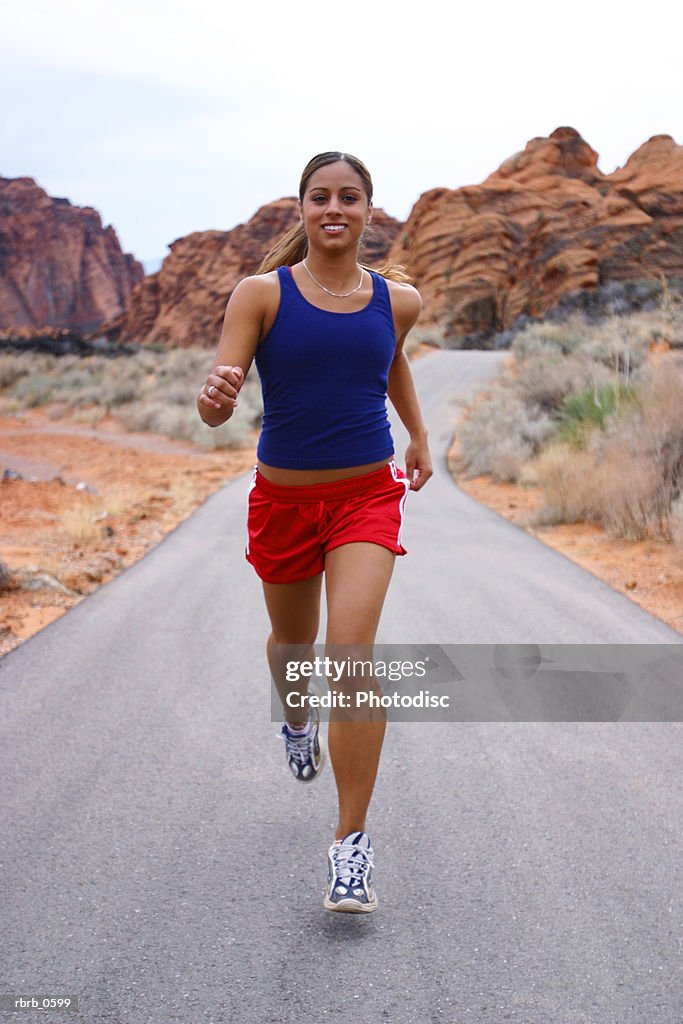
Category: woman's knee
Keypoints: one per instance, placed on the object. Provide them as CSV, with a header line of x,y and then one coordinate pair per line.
x,y
282,640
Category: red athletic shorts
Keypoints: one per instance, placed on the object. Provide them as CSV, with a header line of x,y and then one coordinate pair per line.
x,y
291,528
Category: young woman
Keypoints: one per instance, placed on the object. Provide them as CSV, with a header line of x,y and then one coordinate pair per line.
x,y
326,498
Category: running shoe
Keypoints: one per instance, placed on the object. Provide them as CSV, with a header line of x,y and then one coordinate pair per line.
x,y
349,876
305,755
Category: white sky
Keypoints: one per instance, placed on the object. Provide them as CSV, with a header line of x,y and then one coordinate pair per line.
x,y
171,116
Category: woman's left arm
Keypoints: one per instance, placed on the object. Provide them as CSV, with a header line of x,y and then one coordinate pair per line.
x,y
406,305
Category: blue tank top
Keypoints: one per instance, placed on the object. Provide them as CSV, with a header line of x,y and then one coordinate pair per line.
x,y
324,382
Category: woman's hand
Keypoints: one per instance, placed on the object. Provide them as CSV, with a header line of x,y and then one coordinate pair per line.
x,y
418,464
221,389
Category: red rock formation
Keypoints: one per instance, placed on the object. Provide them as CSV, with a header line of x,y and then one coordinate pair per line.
x,y
547,222
184,302
58,266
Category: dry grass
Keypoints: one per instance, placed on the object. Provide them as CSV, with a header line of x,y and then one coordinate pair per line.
x,y
183,495
591,416
500,434
569,484
645,447
149,391
82,522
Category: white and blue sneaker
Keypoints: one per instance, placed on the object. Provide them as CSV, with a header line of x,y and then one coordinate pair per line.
x,y
349,876
305,755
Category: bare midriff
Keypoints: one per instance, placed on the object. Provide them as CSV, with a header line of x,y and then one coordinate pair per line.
x,y
289,477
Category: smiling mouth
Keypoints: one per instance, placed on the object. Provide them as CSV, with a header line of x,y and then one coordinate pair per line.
x,y
334,229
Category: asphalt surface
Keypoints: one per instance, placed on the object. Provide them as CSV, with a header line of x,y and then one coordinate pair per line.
x,y
159,864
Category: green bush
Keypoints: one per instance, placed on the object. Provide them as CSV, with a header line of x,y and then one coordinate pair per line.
x,y
547,379
627,476
591,408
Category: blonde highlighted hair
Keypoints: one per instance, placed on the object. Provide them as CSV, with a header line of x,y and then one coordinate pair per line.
x,y
293,245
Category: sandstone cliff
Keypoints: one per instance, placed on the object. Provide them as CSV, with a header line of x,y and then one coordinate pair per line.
x,y
184,302
546,223
59,267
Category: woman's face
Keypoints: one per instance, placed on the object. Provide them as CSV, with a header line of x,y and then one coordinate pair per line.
x,y
335,207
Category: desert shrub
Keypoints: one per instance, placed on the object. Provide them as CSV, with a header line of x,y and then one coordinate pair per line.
x,y
560,338
424,336
57,410
148,391
552,361
552,365
605,484
233,434
547,379
189,361
652,432
5,577
500,434
621,343
139,365
631,503
80,391
591,408
671,308
177,394
33,390
174,421
629,476
183,424
119,391
87,415
78,379
602,421
12,368
67,380
138,417
569,484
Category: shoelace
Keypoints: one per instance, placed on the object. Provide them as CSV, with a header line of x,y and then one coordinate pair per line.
x,y
298,747
351,863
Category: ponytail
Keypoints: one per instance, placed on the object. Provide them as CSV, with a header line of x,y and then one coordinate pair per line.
x,y
287,251
392,272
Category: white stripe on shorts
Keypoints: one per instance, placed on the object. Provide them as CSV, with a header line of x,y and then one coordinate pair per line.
x,y
402,500
251,487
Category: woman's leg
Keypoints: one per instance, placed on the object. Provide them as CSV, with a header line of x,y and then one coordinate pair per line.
x,y
357,577
294,610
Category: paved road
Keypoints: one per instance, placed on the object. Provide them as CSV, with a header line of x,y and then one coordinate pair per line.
x,y
158,863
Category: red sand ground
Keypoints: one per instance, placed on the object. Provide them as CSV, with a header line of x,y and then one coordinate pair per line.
x,y
145,485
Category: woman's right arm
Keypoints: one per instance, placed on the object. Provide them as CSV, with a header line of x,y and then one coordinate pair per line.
x,y
249,308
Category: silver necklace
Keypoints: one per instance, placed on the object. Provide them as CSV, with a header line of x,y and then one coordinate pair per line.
x,y
337,295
